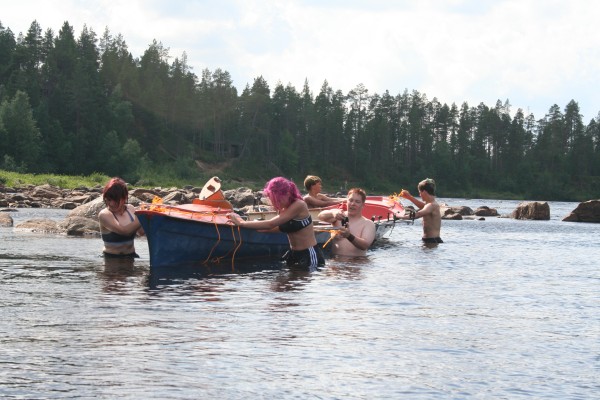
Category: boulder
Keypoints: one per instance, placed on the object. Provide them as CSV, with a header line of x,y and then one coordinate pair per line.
x,y
240,197
80,226
88,210
6,220
452,216
174,197
454,212
535,210
588,211
42,225
46,192
144,195
68,205
448,210
80,198
485,211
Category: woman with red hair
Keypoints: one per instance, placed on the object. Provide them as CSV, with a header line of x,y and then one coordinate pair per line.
x,y
293,218
118,222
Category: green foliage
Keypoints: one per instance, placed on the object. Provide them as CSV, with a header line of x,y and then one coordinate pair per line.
x,y
11,178
21,136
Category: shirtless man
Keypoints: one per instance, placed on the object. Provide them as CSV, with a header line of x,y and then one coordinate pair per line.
x,y
429,210
355,237
316,199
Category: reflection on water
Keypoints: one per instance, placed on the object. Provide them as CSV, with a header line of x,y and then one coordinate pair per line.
x,y
117,274
294,278
501,309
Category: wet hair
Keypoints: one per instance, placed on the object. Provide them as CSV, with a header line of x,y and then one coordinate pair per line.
x,y
358,191
280,190
116,190
310,181
427,185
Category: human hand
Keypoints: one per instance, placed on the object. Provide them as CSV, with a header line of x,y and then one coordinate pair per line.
x,y
234,218
341,216
344,232
404,193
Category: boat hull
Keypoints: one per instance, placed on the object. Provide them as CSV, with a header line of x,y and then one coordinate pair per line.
x,y
184,240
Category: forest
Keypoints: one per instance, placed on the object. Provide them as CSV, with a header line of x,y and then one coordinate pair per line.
x,y
77,105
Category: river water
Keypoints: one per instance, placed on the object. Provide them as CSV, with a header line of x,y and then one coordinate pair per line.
x,y
503,309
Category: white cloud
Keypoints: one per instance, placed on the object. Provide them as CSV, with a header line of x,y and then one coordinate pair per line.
x,y
535,53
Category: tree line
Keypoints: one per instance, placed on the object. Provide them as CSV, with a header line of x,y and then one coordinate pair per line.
x,y
78,105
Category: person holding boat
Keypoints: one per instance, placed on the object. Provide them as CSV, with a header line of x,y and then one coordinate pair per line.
x,y
118,223
429,210
292,218
356,233
316,199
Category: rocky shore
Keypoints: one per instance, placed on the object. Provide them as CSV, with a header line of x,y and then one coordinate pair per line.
x,y
85,203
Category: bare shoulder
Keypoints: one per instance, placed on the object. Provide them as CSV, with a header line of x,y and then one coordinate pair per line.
x,y
429,208
369,223
310,200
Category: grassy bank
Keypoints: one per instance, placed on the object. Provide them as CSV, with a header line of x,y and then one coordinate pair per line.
x,y
15,179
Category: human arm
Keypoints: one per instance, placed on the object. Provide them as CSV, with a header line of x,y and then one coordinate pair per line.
x,y
321,201
290,212
109,222
363,240
332,216
406,194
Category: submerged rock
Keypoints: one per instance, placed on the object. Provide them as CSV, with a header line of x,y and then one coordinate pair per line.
x,y
485,211
41,225
6,220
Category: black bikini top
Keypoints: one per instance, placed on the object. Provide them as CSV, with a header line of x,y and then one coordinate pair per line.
x,y
116,238
294,225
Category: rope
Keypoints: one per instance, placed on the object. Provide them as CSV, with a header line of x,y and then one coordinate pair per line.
x,y
238,246
215,245
333,233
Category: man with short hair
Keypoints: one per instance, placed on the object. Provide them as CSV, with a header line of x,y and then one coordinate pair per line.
x,y
315,198
358,233
429,210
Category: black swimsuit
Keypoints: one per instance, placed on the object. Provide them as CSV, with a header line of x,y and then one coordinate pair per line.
x,y
294,225
115,238
308,258
311,258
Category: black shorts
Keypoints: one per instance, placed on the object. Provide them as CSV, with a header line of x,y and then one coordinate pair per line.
x,y
433,240
110,255
309,258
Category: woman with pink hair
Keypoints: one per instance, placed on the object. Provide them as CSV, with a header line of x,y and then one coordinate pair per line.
x,y
293,218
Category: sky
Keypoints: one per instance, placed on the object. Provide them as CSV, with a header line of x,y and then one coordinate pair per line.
x,y
533,53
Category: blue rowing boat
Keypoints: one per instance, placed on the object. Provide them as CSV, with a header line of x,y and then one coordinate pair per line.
x,y
200,232
193,234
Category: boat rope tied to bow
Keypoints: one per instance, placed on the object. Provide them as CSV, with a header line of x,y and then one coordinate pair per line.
x,y
158,206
